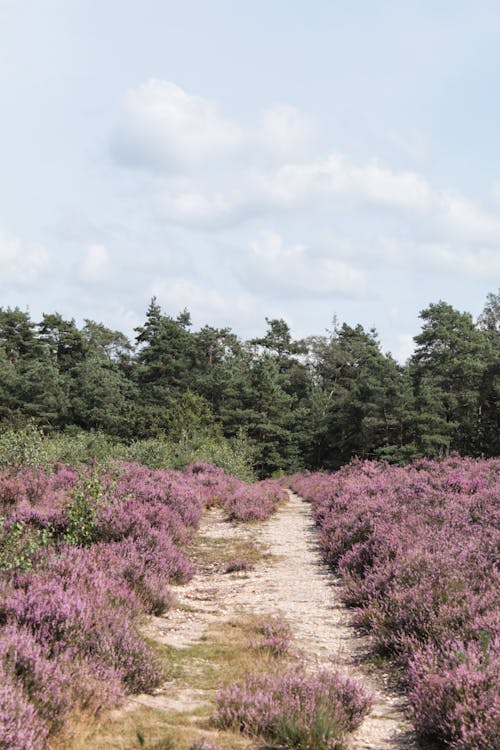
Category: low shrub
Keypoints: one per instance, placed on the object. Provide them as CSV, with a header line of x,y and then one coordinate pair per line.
x,y
84,554
418,550
241,500
293,709
21,727
455,694
274,635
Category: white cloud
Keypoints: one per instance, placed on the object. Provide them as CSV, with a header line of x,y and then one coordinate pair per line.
x,y
213,172
208,304
95,263
285,132
195,209
466,220
453,259
460,261
337,178
164,126
406,347
295,186
19,264
270,247
381,185
293,269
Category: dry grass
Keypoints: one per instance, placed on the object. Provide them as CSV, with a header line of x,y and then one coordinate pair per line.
x,y
180,712
213,554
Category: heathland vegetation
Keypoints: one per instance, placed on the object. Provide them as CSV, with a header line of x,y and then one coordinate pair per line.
x,y
272,403
417,547
84,554
110,454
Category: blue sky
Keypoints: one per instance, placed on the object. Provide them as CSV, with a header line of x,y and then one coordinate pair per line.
x,y
297,159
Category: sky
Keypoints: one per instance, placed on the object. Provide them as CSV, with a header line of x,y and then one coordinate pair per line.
x,y
296,159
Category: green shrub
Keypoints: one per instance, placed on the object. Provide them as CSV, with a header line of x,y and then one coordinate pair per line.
x,y
81,512
23,447
19,544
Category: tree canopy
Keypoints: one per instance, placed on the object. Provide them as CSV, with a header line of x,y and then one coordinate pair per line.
x,y
309,403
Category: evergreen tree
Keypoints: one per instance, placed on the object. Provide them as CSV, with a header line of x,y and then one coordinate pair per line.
x,y
489,404
215,350
448,368
165,362
103,343
10,406
65,343
270,419
102,398
317,402
43,393
18,335
363,402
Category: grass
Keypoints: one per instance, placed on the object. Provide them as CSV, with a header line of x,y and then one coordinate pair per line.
x,y
214,554
144,727
224,654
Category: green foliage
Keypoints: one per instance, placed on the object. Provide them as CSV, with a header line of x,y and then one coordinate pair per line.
x,y
19,544
181,395
233,455
324,733
362,403
448,370
79,447
81,512
101,397
23,447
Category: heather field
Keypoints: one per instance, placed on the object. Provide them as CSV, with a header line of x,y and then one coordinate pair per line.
x,y
103,565
85,554
417,548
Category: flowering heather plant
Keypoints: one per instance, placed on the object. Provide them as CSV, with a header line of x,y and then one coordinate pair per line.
x,y
455,694
84,554
88,553
274,635
241,500
54,686
21,727
79,620
22,487
293,709
174,489
418,550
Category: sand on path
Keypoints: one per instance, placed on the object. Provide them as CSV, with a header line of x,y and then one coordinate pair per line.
x,y
296,583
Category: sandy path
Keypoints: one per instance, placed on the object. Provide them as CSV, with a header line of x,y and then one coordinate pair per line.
x,y
296,583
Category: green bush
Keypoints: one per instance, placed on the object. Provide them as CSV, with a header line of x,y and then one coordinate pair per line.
x,y
81,512
235,456
81,447
19,544
23,447
30,447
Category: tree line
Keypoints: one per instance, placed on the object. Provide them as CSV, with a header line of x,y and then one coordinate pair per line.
x,y
309,403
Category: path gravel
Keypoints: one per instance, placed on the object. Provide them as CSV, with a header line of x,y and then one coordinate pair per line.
x,y
296,583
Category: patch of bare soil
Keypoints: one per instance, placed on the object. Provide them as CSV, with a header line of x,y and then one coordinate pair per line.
x,y
291,581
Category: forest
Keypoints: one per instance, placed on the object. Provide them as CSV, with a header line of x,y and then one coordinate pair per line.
x,y
294,404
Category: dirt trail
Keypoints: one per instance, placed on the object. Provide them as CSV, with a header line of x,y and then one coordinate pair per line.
x,y
297,584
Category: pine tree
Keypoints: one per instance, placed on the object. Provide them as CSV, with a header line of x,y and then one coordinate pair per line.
x,y
448,368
